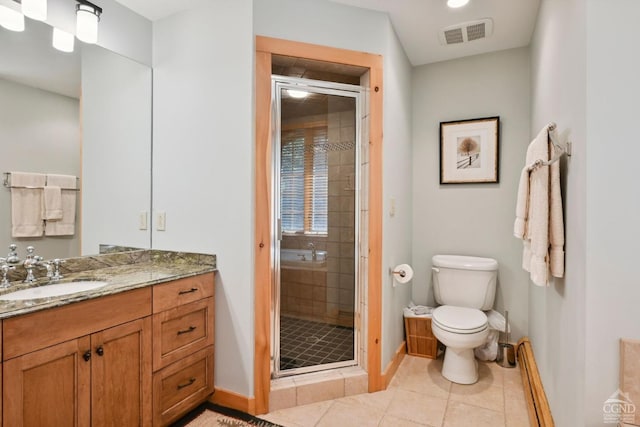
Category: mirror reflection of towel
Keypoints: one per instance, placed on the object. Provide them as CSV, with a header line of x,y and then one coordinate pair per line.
x,y
52,203
26,204
65,226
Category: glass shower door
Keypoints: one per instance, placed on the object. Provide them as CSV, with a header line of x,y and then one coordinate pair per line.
x,y
316,182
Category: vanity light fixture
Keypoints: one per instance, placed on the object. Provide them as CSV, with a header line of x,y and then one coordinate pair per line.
x,y
298,94
35,9
62,40
456,3
87,18
11,19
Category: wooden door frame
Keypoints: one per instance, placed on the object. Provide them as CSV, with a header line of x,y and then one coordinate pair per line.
x,y
265,47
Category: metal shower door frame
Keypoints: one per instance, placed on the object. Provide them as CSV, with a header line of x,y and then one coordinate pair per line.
x,y
328,88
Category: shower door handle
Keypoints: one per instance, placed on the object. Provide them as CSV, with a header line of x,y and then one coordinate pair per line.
x,y
279,229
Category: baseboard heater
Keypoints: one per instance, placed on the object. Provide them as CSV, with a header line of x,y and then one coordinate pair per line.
x,y
539,411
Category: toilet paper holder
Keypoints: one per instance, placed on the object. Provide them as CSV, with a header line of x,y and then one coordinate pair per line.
x,y
401,274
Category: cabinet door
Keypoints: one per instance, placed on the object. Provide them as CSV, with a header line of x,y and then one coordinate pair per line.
x,y
121,375
49,387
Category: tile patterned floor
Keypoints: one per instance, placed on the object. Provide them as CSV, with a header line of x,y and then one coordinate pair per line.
x,y
307,343
419,396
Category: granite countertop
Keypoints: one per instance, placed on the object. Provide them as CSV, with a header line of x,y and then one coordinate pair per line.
x,y
122,271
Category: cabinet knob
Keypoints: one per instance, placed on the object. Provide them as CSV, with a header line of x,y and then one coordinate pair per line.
x,y
87,355
187,291
100,351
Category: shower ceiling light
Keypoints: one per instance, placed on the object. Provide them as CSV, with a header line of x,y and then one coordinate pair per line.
x,y
299,94
11,19
456,3
87,18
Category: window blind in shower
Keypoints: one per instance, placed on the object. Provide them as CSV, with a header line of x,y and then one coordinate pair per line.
x,y
304,180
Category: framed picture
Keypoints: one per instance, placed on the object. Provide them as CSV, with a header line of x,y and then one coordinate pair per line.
x,y
469,151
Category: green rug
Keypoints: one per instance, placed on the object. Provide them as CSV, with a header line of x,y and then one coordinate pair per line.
x,y
211,415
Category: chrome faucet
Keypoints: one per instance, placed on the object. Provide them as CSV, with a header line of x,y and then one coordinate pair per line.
x,y
4,270
314,254
53,269
30,262
12,256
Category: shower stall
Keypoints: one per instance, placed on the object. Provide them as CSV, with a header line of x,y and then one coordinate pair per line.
x,y
317,202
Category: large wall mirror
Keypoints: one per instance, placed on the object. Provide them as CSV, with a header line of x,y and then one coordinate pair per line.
x,y
88,114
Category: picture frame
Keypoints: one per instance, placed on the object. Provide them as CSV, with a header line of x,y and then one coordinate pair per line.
x,y
469,151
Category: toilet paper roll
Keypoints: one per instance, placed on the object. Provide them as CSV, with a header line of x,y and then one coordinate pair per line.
x,y
402,273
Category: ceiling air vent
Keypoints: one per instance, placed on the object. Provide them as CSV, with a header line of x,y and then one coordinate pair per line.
x,y
466,31
454,36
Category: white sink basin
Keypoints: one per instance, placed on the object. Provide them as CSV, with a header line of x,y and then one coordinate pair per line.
x,y
48,291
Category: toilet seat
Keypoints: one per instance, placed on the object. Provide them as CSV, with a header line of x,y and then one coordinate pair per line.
x,y
460,320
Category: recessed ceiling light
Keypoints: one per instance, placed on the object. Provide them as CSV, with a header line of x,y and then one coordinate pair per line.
x,y
297,93
456,3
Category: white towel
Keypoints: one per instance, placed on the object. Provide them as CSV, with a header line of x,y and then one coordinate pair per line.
x,y
52,203
26,204
66,226
539,221
556,220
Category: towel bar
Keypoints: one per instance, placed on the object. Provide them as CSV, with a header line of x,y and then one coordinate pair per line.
x,y
7,183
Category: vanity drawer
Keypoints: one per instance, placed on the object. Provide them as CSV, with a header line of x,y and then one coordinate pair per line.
x,y
181,331
181,386
182,291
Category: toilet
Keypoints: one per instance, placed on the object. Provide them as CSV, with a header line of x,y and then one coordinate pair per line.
x,y
464,286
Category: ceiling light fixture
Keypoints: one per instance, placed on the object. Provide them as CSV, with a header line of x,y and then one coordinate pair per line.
x,y
11,19
35,9
456,3
299,94
87,18
62,40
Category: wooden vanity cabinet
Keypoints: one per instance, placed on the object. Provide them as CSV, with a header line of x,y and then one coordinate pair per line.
x,y
137,358
102,377
49,387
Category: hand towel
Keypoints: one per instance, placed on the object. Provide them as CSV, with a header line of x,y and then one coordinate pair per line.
x,y
556,220
26,204
522,205
52,203
538,211
65,226
539,221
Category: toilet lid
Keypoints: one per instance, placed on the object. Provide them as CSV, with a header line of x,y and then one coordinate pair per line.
x,y
461,320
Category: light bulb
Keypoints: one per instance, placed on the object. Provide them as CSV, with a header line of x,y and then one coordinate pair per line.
x,y
11,19
62,40
35,9
297,93
456,3
86,23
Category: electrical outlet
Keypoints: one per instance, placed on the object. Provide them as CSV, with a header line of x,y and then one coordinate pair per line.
x,y
142,220
161,221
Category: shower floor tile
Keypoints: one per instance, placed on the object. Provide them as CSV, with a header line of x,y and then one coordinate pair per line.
x,y
307,343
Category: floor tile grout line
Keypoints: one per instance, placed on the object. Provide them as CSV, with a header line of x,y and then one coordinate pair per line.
x,y
325,412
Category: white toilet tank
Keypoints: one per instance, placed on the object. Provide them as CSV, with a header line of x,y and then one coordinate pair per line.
x,y
464,281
